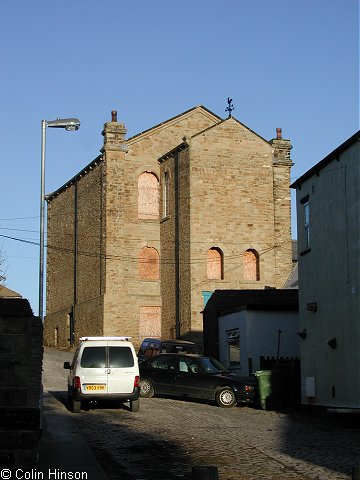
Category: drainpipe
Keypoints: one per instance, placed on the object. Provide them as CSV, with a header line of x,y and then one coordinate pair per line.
x,y
177,247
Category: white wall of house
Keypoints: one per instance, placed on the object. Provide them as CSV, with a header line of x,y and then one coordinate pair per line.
x,y
258,335
329,269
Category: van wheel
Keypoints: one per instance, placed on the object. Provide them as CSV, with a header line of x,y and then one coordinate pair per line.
x,y
146,388
134,405
74,405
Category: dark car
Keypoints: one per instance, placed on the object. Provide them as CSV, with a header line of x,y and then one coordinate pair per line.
x,y
194,376
154,346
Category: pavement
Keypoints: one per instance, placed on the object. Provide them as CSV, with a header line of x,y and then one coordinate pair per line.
x,y
64,453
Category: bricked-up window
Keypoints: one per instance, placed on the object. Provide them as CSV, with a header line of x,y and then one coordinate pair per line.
x,y
149,264
215,270
148,196
251,265
149,322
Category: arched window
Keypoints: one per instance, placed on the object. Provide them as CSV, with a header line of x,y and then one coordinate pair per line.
x,y
251,265
215,269
149,263
148,196
165,206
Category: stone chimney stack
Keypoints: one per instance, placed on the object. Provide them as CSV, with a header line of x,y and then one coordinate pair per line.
x,y
281,147
282,164
114,135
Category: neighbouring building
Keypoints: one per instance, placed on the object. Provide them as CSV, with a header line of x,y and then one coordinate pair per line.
x,y
256,330
328,215
241,328
21,352
138,238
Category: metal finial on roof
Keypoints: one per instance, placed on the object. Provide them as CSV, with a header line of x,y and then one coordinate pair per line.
x,y
230,106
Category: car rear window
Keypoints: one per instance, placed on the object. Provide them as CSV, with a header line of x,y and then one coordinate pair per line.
x,y
93,357
169,348
120,357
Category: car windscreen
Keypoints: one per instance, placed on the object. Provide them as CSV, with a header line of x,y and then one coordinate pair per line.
x,y
120,357
93,357
211,365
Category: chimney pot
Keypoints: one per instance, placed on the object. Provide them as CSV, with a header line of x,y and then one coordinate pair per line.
x,y
114,115
279,133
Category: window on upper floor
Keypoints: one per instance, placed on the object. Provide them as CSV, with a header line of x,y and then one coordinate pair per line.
x,y
215,264
307,224
305,202
149,264
251,265
148,196
166,185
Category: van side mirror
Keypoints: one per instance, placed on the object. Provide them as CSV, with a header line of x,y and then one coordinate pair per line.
x,y
67,365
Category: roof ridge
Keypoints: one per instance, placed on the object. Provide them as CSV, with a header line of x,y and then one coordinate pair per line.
x,y
174,118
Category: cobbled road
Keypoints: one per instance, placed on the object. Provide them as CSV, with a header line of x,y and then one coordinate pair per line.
x,y
167,437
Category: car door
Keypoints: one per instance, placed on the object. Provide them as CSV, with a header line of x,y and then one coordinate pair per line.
x,y
189,378
162,372
92,369
120,368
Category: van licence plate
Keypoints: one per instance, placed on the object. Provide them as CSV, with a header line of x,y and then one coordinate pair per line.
x,y
94,387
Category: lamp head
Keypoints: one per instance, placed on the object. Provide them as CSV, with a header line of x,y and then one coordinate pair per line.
x,y
70,124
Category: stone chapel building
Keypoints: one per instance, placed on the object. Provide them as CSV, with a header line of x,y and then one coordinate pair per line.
x,y
139,239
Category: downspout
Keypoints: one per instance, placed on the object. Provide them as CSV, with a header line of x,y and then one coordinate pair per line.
x,y
177,246
101,226
73,309
347,228
75,241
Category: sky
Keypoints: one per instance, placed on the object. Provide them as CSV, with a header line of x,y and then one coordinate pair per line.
x,y
292,64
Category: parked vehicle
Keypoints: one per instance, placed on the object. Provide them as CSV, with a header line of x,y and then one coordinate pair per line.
x,y
103,368
194,376
154,346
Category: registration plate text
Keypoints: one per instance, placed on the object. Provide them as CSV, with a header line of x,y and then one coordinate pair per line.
x,y
94,387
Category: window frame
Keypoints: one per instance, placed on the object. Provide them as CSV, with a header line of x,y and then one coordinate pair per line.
x,y
233,340
306,221
165,194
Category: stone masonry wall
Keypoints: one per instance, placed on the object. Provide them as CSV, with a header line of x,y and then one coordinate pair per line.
x,y
20,380
75,264
226,201
126,234
227,185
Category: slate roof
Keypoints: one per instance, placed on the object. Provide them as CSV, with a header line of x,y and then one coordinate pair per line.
x,y
334,155
226,301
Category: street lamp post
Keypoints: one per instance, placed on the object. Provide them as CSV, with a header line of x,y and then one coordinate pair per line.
x,y
69,124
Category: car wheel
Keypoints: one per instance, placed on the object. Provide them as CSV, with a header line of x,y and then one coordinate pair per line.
x,y
146,388
225,397
134,405
74,405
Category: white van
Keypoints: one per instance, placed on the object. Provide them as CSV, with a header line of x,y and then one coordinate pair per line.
x,y
103,368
